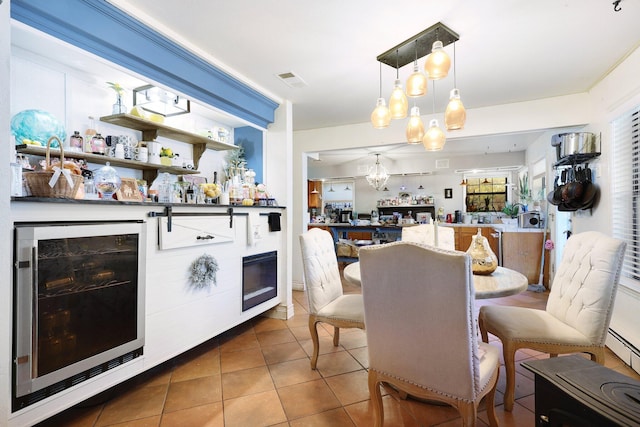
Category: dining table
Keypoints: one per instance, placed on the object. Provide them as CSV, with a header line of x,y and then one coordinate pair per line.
x,y
501,283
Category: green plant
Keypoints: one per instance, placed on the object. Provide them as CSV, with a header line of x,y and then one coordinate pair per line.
x,y
510,210
524,192
116,87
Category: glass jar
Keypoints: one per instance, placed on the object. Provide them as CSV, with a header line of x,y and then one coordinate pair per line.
x,y
98,144
107,181
76,142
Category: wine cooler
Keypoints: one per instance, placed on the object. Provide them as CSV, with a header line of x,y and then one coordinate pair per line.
x,y
78,303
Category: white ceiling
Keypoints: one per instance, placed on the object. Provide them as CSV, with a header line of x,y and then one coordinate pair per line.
x,y
509,51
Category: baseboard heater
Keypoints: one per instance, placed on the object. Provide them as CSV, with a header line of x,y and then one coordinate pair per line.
x,y
634,358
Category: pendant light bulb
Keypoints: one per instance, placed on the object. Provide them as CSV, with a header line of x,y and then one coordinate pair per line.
x,y
438,62
417,83
381,116
455,114
398,103
434,138
415,128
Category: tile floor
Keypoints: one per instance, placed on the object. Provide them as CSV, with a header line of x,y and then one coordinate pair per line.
x,y
258,374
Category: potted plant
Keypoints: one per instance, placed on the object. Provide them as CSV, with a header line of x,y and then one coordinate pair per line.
x,y
511,212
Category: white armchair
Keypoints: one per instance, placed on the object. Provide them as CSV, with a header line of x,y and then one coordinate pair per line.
x,y
324,289
421,330
578,310
426,234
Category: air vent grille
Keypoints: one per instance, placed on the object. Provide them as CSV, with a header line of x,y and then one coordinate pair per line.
x,y
291,79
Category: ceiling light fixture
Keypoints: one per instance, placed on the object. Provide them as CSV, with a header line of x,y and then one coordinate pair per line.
x,y
434,138
417,81
381,116
377,176
314,191
429,42
398,104
438,62
331,190
463,182
420,187
415,127
455,115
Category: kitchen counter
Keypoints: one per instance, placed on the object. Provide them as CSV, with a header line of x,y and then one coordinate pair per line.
x,y
502,227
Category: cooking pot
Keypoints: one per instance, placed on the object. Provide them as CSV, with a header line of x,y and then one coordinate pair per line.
x,y
568,144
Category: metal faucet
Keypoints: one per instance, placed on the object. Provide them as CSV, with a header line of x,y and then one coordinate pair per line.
x,y
520,205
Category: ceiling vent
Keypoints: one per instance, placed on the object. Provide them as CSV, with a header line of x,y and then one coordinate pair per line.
x,y
291,79
442,164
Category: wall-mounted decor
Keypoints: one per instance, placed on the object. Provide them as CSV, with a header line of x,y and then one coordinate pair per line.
x,y
448,193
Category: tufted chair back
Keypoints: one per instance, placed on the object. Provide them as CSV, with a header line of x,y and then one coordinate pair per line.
x,y
425,235
421,330
320,265
585,285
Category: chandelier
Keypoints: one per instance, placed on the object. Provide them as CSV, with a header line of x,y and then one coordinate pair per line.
x,y
377,176
429,42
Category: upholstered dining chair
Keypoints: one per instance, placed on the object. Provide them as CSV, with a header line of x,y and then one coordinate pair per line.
x,y
327,303
578,309
421,330
426,235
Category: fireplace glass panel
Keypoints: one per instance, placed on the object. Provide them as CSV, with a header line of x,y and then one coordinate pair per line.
x,y
259,279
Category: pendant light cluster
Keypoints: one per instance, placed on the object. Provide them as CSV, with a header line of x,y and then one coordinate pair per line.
x,y
431,41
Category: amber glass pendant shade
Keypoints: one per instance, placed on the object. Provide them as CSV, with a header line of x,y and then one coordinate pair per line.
x,y
455,115
434,138
398,103
381,116
438,62
417,83
483,260
415,128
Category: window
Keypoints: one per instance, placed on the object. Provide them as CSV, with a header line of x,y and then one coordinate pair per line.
x,y
486,194
625,191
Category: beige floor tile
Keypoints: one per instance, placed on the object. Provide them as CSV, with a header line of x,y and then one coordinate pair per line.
x,y
292,372
74,417
262,324
337,363
278,336
144,422
334,418
362,414
137,404
246,382
210,415
301,400
326,345
244,341
361,355
195,392
351,387
256,410
283,352
242,359
202,366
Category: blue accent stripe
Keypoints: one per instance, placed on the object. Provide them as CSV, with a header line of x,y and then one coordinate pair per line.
x,y
104,30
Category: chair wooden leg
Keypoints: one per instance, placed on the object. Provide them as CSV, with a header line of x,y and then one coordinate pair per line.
x,y
376,398
490,401
483,331
509,354
469,413
598,356
314,338
336,336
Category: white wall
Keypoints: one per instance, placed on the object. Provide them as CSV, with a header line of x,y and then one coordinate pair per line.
x,y
7,236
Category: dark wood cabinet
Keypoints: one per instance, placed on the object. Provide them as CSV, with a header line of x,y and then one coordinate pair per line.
x,y
464,236
314,190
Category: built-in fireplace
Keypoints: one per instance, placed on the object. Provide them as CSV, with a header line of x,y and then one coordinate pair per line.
x,y
78,303
259,279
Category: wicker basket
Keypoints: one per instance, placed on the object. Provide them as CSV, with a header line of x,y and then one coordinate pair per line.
x,y
38,181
